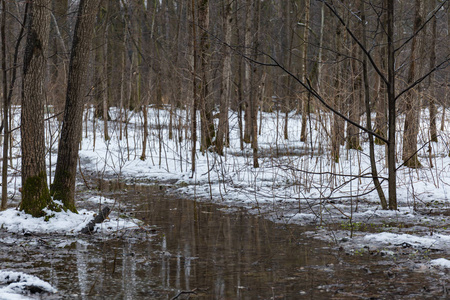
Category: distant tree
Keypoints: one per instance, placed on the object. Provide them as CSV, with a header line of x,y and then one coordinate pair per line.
x,y
35,193
222,129
413,96
63,187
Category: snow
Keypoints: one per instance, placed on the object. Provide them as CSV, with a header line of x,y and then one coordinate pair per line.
x,y
68,222
15,285
436,242
441,262
292,174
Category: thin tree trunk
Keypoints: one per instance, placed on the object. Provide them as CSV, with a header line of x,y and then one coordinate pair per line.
x,y
305,102
207,124
105,85
145,137
355,96
373,163
247,73
222,129
431,79
195,94
254,99
336,130
5,112
391,106
412,103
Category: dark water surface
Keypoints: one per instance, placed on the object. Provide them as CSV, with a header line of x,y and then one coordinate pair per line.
x,y
208,252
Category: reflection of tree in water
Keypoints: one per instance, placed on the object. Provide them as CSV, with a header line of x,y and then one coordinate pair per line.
x,y
128,272
83,280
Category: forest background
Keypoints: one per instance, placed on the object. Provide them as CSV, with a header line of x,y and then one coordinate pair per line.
x,y
364,82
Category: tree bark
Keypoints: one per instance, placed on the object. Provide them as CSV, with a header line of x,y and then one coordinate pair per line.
x,y
338,123
392,175
5,112
207,124
431,79
63,187
373,163
412,103
222,129
304,64
35,193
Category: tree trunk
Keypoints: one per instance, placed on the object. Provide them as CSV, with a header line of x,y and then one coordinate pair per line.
x,y
5,112
431,78
63,187
207,124
304,64
391,107
338,126
355,96
195,93
222,129
254,99
412,103
247,73
35,193
373,163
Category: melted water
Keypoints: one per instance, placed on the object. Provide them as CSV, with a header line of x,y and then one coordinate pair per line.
x,y
205,251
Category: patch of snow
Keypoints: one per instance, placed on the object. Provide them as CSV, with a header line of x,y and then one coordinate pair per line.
x,y
14,220
405,240
17,285
441,262
101,200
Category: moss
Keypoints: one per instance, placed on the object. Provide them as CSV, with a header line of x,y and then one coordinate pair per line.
x,y
48,217
60,192
35,195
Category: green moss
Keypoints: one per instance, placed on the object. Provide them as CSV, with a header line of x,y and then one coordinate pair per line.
x,y
60,192
35,195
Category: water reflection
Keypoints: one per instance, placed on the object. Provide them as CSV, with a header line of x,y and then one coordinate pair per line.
x,y
197,247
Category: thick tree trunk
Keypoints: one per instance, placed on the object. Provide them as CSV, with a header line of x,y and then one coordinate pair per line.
x,y
35,193
63,187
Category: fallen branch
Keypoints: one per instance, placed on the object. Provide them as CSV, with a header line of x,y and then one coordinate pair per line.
x,y
184,292
103,214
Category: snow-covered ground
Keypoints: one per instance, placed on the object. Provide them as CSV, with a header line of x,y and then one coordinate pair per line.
x,y
297,182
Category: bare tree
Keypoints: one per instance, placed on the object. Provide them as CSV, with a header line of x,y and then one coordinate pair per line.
x,y
413,96
222,129
63,187
35,193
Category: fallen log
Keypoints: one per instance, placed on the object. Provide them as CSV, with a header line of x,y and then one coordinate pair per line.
x,y
103,214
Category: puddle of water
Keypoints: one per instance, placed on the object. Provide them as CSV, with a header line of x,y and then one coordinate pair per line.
x,y
202,248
